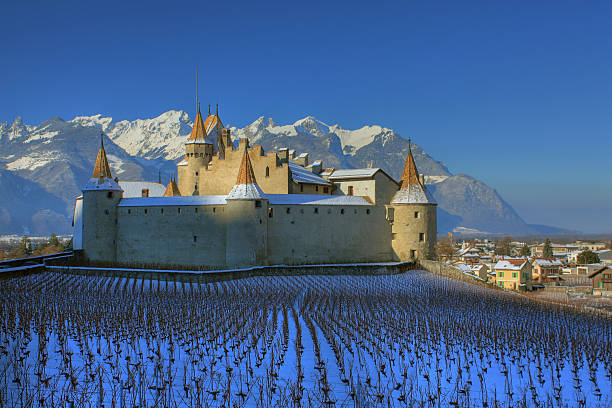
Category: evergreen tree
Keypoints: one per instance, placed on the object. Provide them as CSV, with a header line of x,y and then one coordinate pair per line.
x,y
587,257
525,251
547,251
25,245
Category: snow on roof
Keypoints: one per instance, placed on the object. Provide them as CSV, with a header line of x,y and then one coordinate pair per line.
x,y
173,201
301,175
413,194
182,162
508,264
275,199
313,199
463,267
303,155
107,184
134,188
248,191
353,173
548,262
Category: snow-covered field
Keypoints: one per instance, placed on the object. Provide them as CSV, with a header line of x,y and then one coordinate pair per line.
x,y
413,339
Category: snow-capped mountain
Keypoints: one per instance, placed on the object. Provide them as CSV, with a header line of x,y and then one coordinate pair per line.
x,y
56,158
160,137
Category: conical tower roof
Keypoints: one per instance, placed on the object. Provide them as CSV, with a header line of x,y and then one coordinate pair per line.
x,y
101,167
246,187
198,133
172,189
411,191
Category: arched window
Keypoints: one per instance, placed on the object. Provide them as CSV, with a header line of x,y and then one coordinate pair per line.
x,y
267,171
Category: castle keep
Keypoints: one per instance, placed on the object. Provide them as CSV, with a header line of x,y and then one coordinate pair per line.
x,y
236,206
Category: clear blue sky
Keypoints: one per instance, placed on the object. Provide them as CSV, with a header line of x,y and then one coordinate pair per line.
x,y
518,94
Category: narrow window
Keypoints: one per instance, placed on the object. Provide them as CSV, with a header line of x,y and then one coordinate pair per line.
x,y
146,211
196,210
301,211
110,194
416,214
162,210
106,212
301,188
129,211
267,171
196,173
316,210
368,211
412,253
355,211
288,210
270,212
258,203
316,188
350,190
325,190
145,192
195,238
421,237
179,210
342,211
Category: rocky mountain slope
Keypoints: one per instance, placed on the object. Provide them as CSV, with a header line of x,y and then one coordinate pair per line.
x,y
54,159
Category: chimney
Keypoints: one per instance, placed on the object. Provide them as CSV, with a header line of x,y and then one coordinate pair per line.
x,y
302,159
145,192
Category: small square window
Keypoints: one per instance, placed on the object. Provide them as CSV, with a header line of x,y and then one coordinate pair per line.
x,y
316,210
421,237
368,211
288,210
342,211
110,194
326,190
258,203
196,210
195,238
146,211
416,214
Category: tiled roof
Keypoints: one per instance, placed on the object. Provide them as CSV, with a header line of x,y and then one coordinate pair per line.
x,y
101,168
172,190
197,133
246,187
411,190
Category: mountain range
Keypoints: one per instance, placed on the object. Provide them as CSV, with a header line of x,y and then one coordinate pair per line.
x,y
43,167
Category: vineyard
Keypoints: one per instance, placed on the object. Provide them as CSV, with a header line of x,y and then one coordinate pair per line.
x,y
408,340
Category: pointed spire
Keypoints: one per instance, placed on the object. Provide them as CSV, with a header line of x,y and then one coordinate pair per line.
x,y
101,168
246,187
159,176
172,189
410,175
411,191
197,133
217,112
209,109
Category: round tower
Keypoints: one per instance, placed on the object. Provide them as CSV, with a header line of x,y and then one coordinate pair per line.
x,y
101,195
246,216
414,225
198,153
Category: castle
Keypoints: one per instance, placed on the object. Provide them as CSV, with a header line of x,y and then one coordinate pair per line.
x,y
240,206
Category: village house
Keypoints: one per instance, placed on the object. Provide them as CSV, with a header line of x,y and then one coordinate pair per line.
x,y
514,274
480,270
601,280
543,269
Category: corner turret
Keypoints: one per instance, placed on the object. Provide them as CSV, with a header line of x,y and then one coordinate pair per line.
x,y
247,219
413,216
101,195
